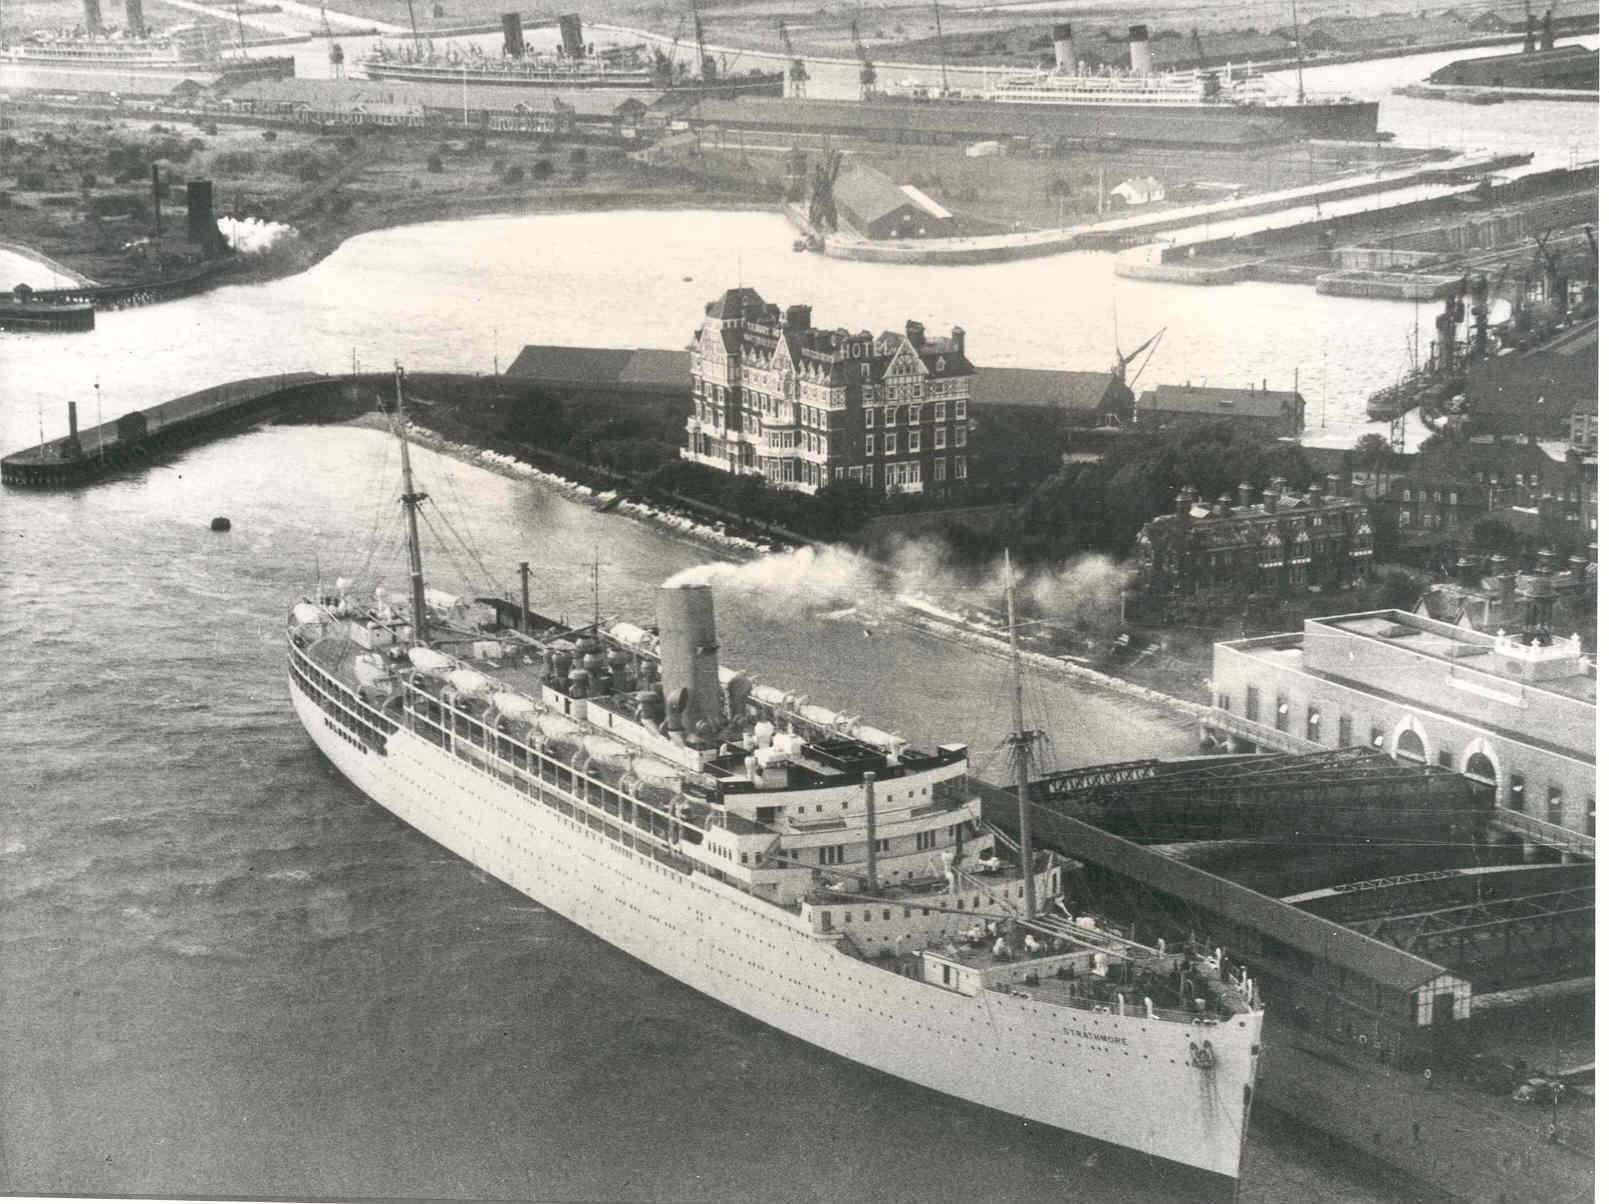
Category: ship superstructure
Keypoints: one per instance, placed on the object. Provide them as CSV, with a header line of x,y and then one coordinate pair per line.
x,y
1205,91
786,858
573,64
189,51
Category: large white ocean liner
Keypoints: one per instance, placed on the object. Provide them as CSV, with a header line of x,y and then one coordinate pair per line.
x,y
790,860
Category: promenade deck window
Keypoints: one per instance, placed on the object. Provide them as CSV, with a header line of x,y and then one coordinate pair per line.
x,y
1516,792
1555,804
1254,704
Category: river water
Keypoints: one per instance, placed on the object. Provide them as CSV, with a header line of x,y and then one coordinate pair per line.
x,y
223,971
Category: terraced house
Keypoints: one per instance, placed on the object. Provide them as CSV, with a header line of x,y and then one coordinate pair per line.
x,y
775,397
1284,543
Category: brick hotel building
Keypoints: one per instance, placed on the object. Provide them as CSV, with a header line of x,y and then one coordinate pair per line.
x,y
775,397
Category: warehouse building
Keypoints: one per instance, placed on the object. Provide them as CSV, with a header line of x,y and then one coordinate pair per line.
x,y
1516,713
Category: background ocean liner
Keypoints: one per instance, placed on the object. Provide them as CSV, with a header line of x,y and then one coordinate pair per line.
x,y
1203,92
791,861
574,64
184,52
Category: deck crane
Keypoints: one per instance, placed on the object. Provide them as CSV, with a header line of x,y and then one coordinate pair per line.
x,y
868,73
797,75
1120,369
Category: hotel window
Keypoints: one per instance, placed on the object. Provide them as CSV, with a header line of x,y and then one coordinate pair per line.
x,y
891,416
1343,732
960,468
916,415
960,436
938,468
1314,725
915,441
1282,710
1444,758
891,443
871,445
939,439
938,411
960,408
1555,804
1254,704
868,416
1516,792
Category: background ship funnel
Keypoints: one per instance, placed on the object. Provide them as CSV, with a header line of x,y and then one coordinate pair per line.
x,y
513,36
688,654
1140,49
1062,35
134,19
93,25
570,35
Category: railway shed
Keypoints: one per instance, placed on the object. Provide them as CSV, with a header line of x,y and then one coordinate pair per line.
x,y
1328,973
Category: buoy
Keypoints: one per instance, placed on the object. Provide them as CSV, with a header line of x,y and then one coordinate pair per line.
x,y
220,523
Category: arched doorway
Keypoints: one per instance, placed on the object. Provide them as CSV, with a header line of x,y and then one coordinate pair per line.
x,y
1409,746
1478,768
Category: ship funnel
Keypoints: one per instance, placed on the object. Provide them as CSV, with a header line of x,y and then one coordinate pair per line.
x,y
134,19
688,658
1062,35
570,35
93,25
513,36
1140,49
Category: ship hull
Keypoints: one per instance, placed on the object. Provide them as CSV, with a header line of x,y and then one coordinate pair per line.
x,y
1343,120
1124,1080
428,73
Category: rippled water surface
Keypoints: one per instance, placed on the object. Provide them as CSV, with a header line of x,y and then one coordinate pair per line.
x,y
223,971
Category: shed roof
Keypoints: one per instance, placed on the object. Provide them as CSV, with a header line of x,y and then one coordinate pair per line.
x,y
1224,403
1300,930
593,366
1042,387
869,194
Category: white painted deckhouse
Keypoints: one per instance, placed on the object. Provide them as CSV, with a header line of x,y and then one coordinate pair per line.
x,y
786,858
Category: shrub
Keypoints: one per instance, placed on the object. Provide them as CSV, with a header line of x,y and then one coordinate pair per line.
x,y
270,135
433,164
514,175
541,169
32,181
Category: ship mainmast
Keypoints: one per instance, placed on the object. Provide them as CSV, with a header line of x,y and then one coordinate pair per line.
x,y
410,502
1021,742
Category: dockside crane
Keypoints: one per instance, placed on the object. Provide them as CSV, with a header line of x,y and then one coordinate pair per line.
x,y
1589,286
944,65
1555,283
337,55
868,73
797,75
823,208
706,61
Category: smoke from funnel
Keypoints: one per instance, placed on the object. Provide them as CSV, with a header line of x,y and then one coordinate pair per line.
x,y
1062,35
1140,49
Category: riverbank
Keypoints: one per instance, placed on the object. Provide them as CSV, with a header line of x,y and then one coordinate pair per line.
x,y
325,187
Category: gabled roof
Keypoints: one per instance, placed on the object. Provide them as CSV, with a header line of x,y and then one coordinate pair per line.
x,y
869,194
734,303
